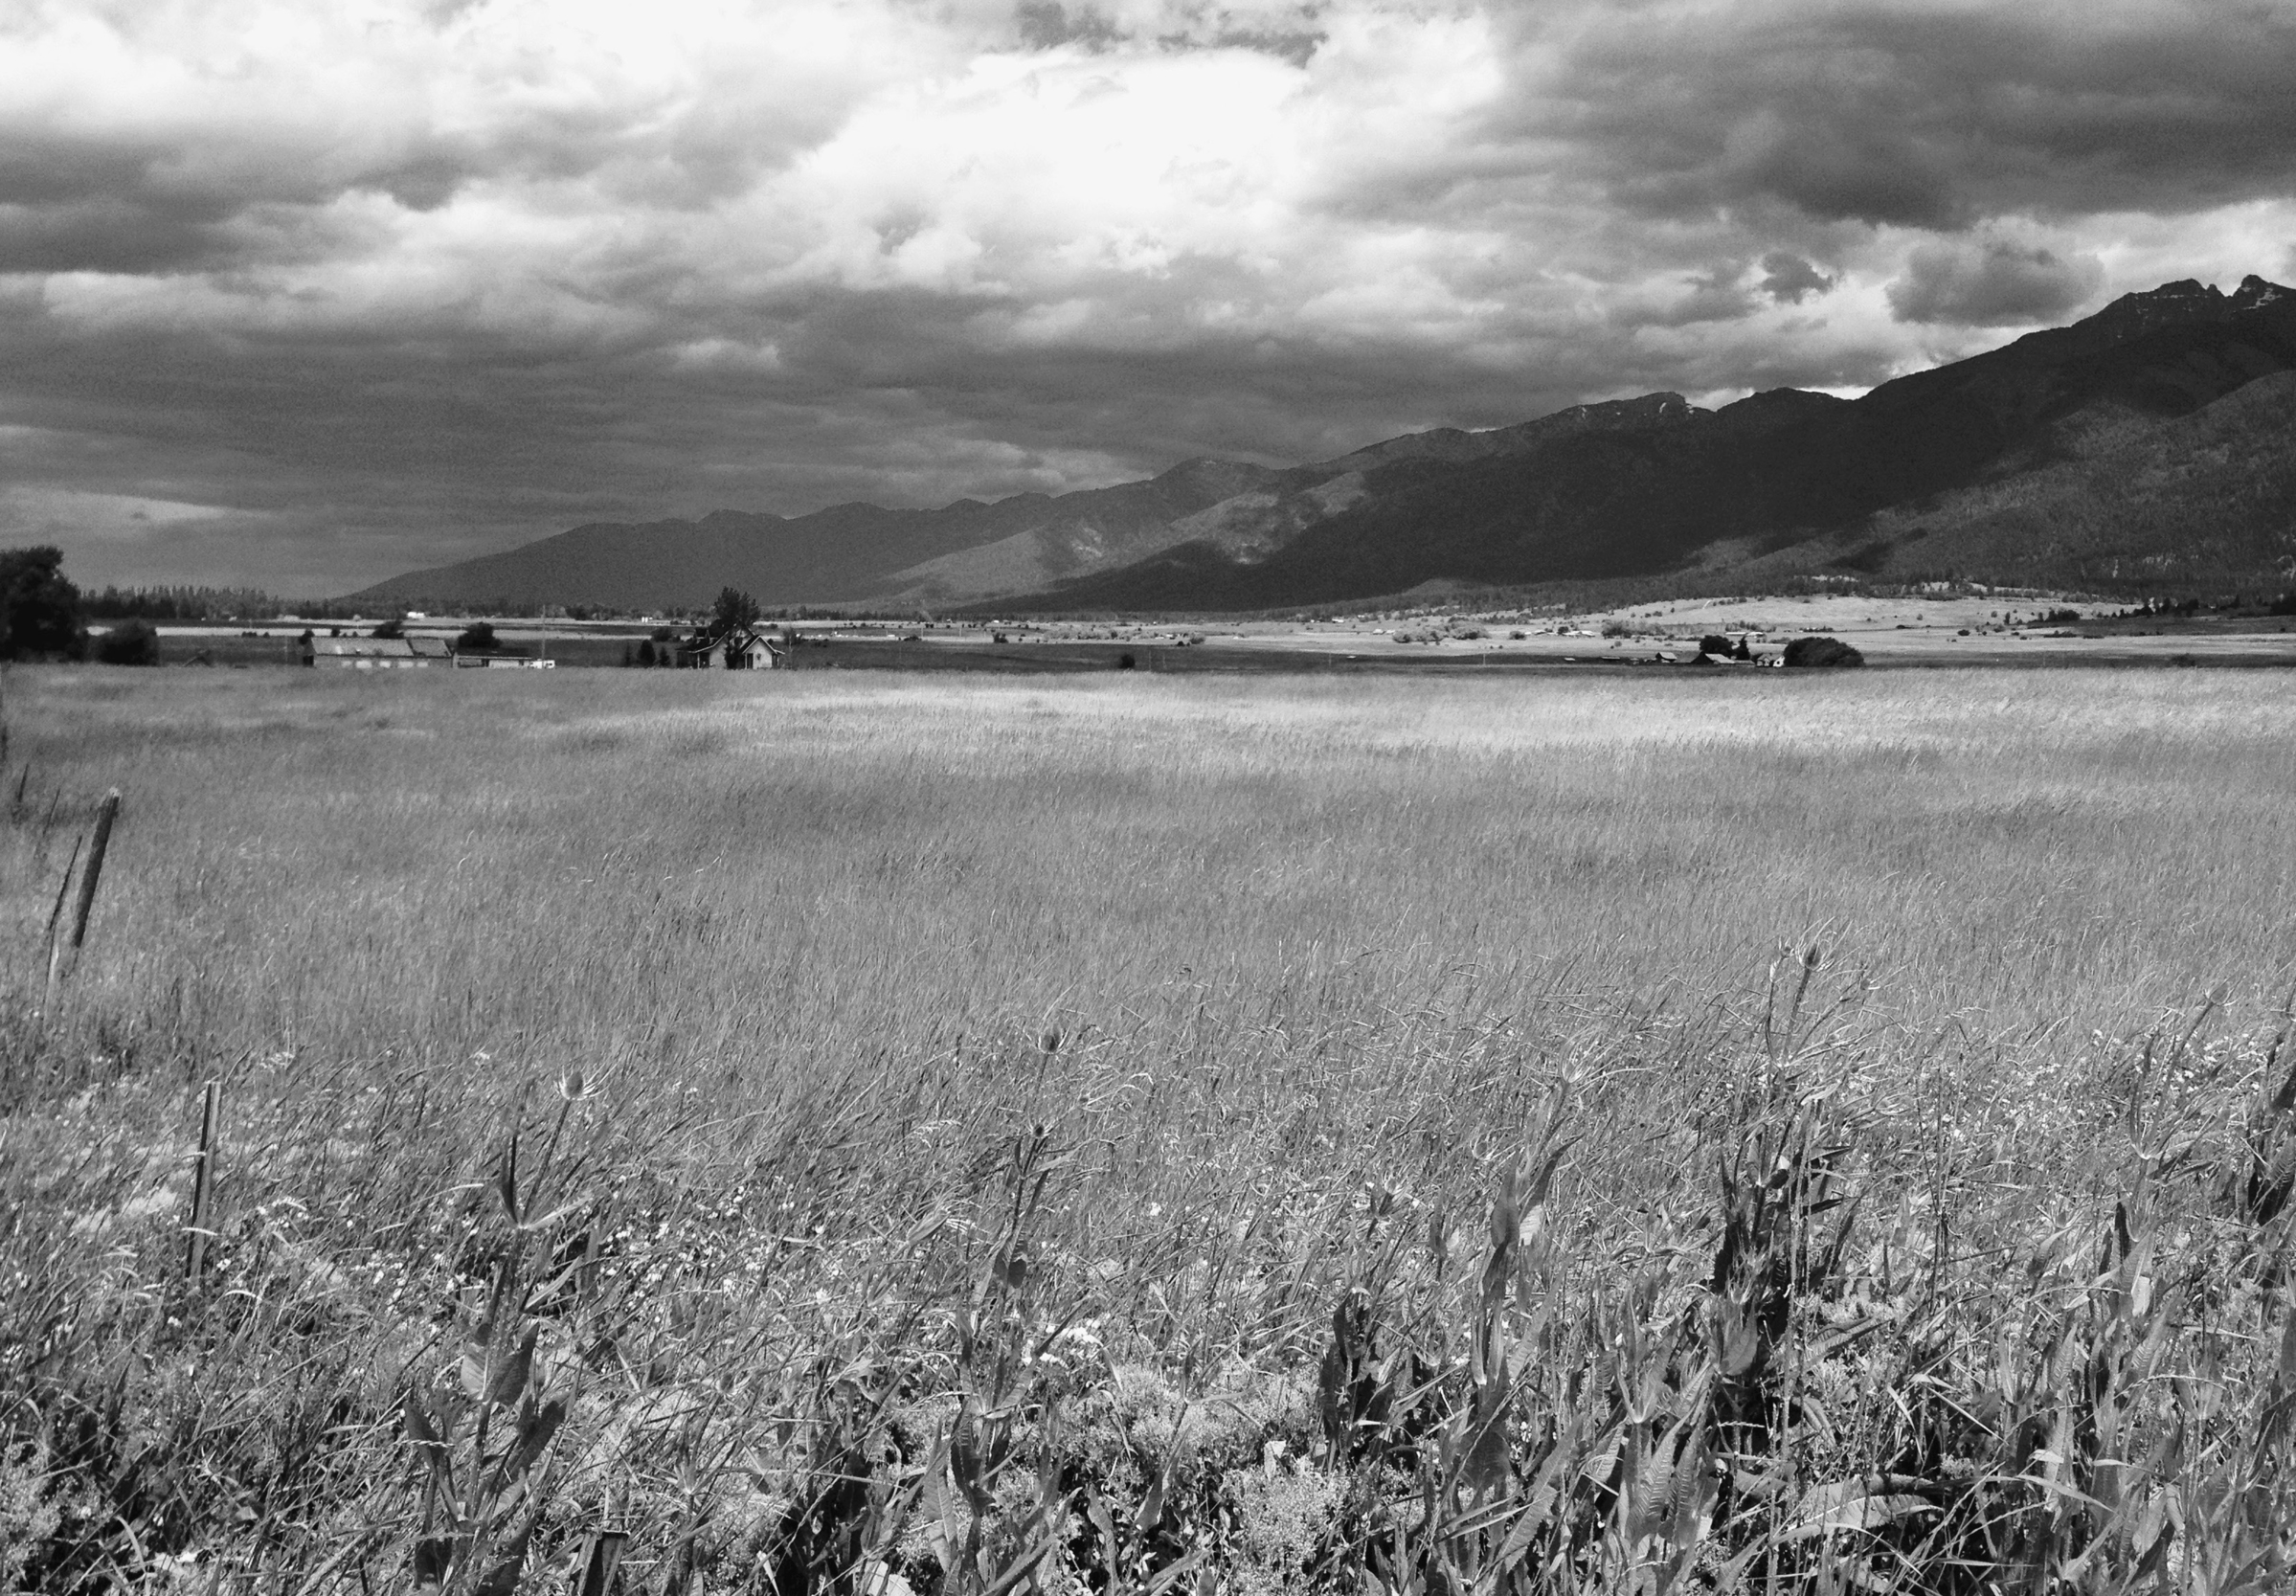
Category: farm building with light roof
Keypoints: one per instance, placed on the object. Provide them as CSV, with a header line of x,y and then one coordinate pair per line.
x,y
373,653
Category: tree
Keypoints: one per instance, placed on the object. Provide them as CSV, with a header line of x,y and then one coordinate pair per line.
x,y
733,609
1822,651
390,629
477,637
39,610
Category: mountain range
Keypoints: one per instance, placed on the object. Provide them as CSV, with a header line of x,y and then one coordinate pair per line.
x,y
2149,446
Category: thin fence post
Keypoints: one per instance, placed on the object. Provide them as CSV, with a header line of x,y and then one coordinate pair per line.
x,y
203,1183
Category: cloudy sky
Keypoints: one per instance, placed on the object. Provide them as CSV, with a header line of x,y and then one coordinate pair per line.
x,y
303,293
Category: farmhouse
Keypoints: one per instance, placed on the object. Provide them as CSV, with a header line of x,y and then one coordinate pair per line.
x,y
736,648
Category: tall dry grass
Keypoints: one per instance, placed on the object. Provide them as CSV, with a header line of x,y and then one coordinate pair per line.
x,y
1156,1134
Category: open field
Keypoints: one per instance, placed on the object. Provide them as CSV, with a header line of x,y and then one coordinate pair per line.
x,y
950,1112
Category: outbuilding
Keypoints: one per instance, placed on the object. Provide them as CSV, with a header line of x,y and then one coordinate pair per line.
x,y
371,652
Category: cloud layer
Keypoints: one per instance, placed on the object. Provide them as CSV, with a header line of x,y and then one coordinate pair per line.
x,y
305,294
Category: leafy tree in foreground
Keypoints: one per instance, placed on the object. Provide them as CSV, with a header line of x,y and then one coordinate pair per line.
x,y
39,609
477,637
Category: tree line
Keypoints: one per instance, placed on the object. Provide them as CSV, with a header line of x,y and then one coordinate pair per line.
x,y
186,603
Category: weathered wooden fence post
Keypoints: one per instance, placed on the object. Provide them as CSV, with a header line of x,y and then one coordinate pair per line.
x,y
203,1181
105,814
64,952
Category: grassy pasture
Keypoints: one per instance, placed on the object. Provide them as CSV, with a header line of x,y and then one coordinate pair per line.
x,y
984,1089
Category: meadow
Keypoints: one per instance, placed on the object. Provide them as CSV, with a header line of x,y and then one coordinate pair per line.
x,y
1130,1133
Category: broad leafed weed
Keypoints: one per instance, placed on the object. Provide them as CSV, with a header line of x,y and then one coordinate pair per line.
x,y
1801,1369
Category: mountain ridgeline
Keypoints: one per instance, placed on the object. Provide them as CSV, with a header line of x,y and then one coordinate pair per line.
x,y
2151,445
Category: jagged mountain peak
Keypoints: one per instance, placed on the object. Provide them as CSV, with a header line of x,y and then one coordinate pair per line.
x,y
2184,301
2255,293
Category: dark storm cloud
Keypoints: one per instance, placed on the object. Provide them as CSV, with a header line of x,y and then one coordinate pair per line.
x,y
1919,116
67,206
314,307
1973,282
1789,279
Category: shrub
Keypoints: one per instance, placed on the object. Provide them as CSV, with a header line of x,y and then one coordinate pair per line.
x,y
1821,651
131,642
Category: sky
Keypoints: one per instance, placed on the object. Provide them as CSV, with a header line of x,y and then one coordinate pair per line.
x,y
304,295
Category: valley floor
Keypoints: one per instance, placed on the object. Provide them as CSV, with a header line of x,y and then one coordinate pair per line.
x,y
1933,631
1056,1132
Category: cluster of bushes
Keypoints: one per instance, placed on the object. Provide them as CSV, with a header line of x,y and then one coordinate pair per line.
x,y
661,648
1449,631
130,643
1821,652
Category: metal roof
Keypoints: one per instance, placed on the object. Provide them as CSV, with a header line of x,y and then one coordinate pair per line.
x,y
364,648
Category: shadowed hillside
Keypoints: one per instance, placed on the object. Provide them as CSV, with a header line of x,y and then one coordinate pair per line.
x,y
2125,448
1780,469
2115,499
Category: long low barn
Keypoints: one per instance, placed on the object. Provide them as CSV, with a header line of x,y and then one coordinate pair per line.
x,y
375,653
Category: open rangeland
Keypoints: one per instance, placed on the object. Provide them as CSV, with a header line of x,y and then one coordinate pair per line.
x,y
1659,1132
